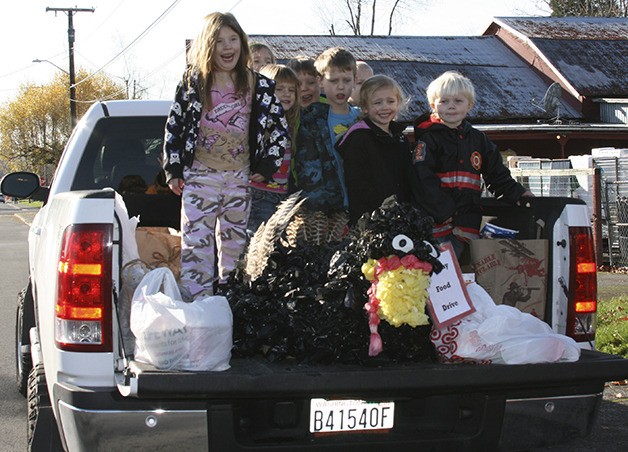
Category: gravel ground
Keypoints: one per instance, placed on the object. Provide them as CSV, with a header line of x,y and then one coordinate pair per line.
x,y
612,284
610,431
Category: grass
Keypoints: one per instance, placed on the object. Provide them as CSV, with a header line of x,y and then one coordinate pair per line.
x,y
612,326
30,203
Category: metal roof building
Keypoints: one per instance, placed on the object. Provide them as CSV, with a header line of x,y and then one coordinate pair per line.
x,y
588,56
506,86
512,65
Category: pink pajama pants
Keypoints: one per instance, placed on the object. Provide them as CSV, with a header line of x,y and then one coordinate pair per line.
x,y
214,214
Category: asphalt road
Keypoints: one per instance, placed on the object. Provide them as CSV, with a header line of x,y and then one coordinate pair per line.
x,y
609,434
13,256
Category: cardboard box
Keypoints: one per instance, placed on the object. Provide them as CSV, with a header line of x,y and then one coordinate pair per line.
x,y
513,272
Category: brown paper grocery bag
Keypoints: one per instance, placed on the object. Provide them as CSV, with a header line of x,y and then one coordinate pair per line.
x,y
513,272
159,247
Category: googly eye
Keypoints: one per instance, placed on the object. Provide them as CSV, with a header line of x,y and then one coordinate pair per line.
x,y
433,251
402,243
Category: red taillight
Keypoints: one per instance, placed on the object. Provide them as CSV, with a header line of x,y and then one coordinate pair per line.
x,y
83,308
581,317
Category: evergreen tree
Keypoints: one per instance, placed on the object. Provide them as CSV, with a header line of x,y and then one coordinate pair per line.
x,y
589,8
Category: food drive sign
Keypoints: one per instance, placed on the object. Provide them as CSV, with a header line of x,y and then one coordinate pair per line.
x,y
449,300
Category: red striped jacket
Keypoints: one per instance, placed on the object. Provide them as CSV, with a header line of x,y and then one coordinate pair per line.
x,y
451,165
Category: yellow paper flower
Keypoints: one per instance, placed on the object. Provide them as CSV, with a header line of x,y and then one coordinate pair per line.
x,y
368,269
402,294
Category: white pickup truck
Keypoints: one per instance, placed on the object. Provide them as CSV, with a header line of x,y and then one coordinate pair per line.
x,y
84,395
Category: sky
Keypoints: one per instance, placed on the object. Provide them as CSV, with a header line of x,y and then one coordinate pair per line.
x,y
143,40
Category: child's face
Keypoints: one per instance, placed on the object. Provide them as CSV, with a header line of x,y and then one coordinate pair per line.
x,y
451,109
310,88
337,85
287,94
361,74
227,51
382,107
261,58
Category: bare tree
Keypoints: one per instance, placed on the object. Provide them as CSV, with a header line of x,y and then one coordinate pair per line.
x,y
354,8
391,16
353,13
373,10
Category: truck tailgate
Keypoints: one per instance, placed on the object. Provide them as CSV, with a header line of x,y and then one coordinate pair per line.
x,y
247,376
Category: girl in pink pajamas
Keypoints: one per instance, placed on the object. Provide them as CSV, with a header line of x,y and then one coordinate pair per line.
x,y
225,127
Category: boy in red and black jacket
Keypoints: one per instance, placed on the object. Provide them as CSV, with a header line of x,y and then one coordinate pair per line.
x,y
449,158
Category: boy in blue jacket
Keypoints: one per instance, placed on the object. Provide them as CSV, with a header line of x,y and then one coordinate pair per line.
x,y
317,167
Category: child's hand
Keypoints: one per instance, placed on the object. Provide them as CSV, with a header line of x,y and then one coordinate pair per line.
x,y
257,178
176,185
526,194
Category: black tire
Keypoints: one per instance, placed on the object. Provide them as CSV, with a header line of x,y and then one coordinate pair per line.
x,y
24,321
42,433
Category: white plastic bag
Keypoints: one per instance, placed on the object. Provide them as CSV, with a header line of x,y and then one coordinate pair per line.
x,y
133,270
131,276
172,334
501,334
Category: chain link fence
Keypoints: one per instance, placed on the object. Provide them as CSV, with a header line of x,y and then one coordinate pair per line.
x,y
611,203
614,199
615,202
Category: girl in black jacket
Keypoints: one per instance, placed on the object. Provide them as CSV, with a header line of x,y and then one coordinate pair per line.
x,y
377,159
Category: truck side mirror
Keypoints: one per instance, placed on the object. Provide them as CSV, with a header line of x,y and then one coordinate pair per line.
x,y
21,185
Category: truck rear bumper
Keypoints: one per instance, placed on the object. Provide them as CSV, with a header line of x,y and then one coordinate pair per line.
x,y
101,420
94,421
94,430
536,422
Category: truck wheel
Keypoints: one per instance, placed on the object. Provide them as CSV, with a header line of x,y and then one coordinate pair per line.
x,y
42,433
24,321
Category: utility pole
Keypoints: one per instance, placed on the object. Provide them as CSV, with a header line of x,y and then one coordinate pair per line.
x,y
70,12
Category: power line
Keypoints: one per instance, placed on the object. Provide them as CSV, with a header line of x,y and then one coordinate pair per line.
x,y
236,4
9,74
95,30
165,63
71,38
133,42
139,80
22,69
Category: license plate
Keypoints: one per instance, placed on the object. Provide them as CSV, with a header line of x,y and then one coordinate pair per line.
x,y
350,415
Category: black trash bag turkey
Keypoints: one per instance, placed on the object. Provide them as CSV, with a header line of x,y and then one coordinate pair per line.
x,y
308,290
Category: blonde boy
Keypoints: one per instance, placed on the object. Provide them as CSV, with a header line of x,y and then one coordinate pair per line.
x,y
317,167
450,160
